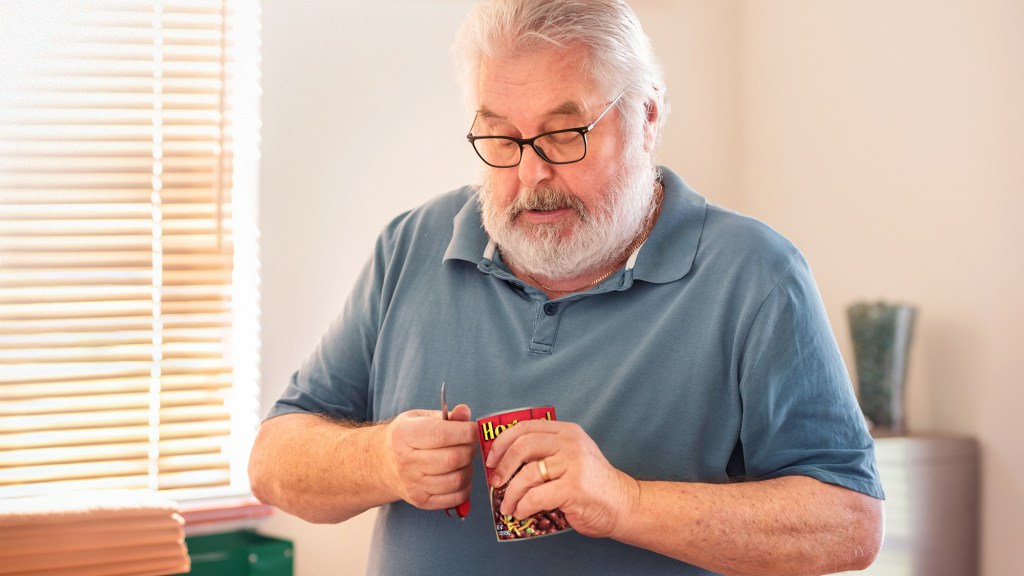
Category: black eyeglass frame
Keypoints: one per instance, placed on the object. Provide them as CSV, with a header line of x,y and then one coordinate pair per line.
x,y
582,131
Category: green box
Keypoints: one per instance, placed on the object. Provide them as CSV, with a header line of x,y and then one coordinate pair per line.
x,y
241,553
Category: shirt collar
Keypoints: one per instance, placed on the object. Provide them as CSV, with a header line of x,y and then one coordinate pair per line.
x,y
666,256
669,252
469,240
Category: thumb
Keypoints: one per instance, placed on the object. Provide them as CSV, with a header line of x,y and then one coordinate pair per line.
x,y
460,413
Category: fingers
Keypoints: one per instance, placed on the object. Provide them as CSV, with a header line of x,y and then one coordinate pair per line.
x,y
516,455
440,491
527,450
431,459
453,483
440,460
526,498
582,485
522,443
460,413
424,429
577,472
528,489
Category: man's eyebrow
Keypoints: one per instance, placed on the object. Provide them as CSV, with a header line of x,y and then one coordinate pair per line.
x,y
485,112
567,108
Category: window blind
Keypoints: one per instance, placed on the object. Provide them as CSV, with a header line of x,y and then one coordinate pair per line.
x,y
127,293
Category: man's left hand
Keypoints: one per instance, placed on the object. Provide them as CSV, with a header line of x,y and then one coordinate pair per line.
x,y
595,496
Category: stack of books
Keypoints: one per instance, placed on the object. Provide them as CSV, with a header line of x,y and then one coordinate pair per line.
x,y
103,533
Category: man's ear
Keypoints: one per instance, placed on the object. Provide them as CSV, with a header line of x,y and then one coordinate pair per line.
x,y
651,112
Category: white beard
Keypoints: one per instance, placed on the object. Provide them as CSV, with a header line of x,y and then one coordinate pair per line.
x,y
598,238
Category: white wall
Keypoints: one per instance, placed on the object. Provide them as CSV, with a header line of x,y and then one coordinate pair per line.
x,y
884,139
359,105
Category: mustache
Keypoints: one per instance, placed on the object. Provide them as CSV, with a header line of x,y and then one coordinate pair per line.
x,y
546,198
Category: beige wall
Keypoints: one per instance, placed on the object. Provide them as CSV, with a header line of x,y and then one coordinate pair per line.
x,y
884,139
698,42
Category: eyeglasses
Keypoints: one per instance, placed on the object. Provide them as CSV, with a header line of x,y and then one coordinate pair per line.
x,y
556,147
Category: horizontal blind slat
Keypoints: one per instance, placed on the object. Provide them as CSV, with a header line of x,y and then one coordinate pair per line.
x,y
114,385
192,462
86,410
195,479
143,334
78,471
13,424
135,482
72,454
82,437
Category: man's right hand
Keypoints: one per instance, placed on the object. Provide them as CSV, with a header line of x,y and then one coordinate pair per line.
x,y
430,458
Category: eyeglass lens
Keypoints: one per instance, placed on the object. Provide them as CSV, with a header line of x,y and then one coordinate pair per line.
x,y
560,147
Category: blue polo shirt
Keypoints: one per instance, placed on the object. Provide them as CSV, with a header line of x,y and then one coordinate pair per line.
x,y
707,359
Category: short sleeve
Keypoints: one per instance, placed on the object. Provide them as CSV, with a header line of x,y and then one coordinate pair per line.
x,y
800,415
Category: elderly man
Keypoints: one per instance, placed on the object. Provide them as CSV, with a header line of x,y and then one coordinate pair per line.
x,y
706,422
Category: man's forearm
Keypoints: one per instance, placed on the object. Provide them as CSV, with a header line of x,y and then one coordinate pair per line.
x,y
320,470
793,525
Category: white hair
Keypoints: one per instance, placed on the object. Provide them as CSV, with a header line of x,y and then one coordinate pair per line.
x,y
619,57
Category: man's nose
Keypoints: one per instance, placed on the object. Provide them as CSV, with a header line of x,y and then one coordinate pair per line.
x,y
534,170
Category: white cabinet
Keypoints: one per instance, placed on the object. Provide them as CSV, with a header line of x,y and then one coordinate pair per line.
x,y
931,508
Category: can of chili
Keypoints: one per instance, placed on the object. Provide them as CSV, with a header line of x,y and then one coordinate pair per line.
x,y
508,528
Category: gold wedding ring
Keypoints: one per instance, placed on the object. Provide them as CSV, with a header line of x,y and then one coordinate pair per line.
x,y
543,470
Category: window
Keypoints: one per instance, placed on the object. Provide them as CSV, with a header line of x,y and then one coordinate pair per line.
x,y
128,245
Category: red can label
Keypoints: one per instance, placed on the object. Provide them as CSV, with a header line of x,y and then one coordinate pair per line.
x,y
507,528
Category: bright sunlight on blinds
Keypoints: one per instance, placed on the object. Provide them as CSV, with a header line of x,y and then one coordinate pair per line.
x,y
128,245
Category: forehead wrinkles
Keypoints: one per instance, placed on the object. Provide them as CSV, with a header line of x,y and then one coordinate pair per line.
x,y
552,81
567,108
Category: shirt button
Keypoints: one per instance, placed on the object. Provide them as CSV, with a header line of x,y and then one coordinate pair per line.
x,y
550,309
